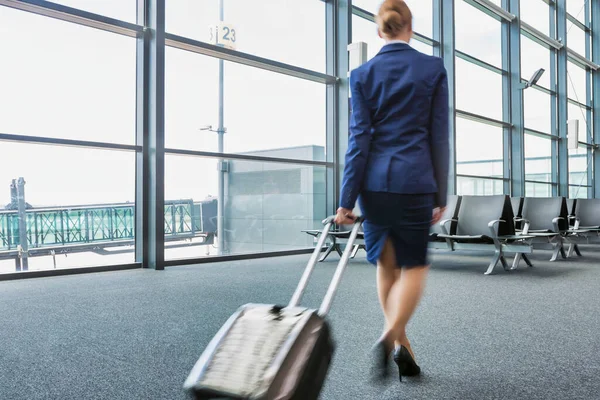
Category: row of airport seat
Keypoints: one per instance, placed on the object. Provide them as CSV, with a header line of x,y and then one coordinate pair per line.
x,y
504,225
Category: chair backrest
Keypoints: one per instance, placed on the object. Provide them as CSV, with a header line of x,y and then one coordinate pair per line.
x,y
452,207
571,206
588,212
517,205
476,212
540,211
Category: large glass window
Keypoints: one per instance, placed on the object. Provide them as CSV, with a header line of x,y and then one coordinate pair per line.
x,y
467,186
70,82
479,149
422,11
79,202
533,57
478,90
577,9
576,83
262,28
265,112
478,34
534,189
576,39
125,10
579,165
538,110
266,206
537,14
538,158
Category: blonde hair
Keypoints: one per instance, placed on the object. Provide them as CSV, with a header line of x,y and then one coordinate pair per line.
x,y
394,18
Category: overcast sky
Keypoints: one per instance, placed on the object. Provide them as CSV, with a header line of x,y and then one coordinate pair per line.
x,y
63,80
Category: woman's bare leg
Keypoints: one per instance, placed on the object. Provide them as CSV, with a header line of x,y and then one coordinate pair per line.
x,y
387,275
402,301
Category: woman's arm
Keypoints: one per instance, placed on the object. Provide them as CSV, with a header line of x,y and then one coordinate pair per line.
x,y
359,143
440,151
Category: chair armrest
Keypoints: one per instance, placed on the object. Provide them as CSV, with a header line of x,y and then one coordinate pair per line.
x,y
577,221
444,223
526,224
555,223
493,227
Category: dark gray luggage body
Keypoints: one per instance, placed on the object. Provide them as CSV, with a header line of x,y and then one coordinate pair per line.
x,y
269,352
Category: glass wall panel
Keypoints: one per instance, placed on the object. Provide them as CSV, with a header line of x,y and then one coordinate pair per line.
x,y
479,186
580,113
478,90
534,189
260,28
264,112
576,39
538,158
579,166
576,82
79,203
537,14
538,110
70,82
577,9
125,10
533,57
479,149
267,206
576,192
422,11
478,34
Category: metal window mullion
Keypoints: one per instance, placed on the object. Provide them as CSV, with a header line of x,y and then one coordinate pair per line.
x,y
338,37
444,34
588,101
514,136
562,54
553,102
595,87
150,177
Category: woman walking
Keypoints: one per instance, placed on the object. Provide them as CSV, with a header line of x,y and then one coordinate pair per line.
x,y
397,169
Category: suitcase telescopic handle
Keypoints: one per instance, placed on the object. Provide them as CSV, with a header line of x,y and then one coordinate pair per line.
x,y
326,304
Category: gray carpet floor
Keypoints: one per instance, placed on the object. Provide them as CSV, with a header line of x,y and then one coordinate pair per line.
x,y
525,334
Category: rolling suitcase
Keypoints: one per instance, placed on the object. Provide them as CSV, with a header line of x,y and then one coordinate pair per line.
x,y
272,352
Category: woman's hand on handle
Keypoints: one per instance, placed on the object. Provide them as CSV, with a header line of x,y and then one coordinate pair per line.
x,y
437,214
344,217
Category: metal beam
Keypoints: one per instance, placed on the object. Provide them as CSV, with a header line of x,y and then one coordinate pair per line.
x,y
554,99
9,137
478,62
76,16
150,198
222,53
339,17
443,33
493,9
514,140
234,156
480,118
563,152
595,87
581,60
534,34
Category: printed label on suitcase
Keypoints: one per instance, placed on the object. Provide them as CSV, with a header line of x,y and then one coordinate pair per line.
x,y
239,364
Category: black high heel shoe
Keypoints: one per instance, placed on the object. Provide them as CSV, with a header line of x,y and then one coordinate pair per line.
x,y
381,355
406,364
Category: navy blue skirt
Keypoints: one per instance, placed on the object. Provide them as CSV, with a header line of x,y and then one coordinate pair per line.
x,y
404,218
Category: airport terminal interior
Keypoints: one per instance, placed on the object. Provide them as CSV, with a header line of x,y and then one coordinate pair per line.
x,y
164,162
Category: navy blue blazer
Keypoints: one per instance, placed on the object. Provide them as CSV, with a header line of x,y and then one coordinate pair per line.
x,y
398,139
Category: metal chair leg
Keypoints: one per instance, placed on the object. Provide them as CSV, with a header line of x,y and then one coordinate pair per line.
x,y
555,252
327,252
576,248
354,251
497,257
516,261
526,259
